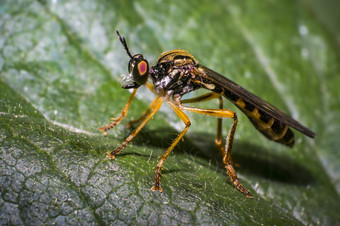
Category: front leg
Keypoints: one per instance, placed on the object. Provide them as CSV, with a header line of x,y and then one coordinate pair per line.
x,y
156,104
147,112
115,121
187,123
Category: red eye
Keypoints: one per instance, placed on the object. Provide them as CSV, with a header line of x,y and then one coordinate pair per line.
x,y
140,70
142,67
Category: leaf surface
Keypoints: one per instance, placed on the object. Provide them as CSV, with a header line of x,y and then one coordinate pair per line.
x,y
59,79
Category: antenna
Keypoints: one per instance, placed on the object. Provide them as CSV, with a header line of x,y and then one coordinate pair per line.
x,y
122,40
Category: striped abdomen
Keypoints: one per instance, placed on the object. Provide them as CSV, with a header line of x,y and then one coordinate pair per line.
x,y
270,127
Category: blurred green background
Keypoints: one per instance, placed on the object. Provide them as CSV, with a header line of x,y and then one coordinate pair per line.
x,y
60,67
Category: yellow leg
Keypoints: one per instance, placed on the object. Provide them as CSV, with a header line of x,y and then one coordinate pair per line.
x,y
156,104
115,121
187,123
218,140
226,151
150,87
204,97
141,118
207,97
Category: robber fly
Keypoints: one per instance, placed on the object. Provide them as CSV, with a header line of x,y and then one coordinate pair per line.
x,y
177,73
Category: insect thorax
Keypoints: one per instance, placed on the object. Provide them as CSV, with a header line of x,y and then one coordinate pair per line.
x,y
174,73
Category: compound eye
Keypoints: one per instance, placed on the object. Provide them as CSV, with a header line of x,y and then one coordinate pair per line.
x,y
133,61
140,70
130,67
143,67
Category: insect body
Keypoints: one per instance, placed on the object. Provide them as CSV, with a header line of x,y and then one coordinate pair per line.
x,y
177,73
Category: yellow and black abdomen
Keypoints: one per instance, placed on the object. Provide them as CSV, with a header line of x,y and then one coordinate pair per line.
x,y
270,121
270,127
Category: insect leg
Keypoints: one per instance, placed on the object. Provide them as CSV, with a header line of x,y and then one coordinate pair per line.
x,y
156,104
218,140
206,97
228,147
150,87
115,121
227,161
147,112
187,123
141,118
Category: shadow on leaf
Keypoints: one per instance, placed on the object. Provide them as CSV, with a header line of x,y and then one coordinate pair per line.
x,y
265,163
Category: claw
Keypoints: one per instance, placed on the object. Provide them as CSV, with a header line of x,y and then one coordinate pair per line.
x,y
111,156
233,179
157,187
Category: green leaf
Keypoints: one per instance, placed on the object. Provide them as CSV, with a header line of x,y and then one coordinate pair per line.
x,y
60,63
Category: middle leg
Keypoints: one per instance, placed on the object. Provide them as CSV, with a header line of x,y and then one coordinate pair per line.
x,y
187,123
207,97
